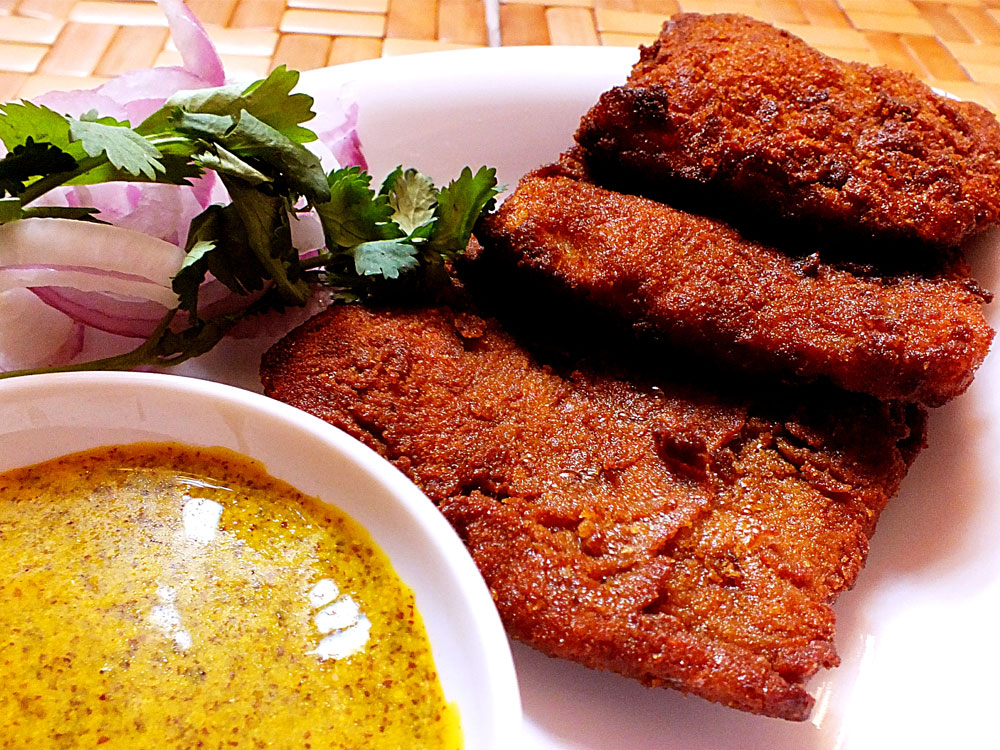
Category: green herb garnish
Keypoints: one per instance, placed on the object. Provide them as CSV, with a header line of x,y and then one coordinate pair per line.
x,y
251,137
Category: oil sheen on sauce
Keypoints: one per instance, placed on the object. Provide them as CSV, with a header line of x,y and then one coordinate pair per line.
x,y
163,596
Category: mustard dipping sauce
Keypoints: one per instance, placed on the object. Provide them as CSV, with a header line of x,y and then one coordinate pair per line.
x,y
163,596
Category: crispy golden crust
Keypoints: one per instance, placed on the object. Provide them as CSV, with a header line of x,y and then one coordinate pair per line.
x,y
697,282
735,105
657,531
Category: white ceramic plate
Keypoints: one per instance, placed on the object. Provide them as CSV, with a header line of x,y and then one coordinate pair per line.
x,y
45,416
916,635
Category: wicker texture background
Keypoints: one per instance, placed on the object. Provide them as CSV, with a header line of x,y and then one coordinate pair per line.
x,y
46,44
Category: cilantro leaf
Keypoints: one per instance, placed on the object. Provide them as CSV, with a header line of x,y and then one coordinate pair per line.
x,y
22,120
178,169
269,100
412,196
459,206
354,214
124,148
268,235
247,137
224,161
173,347
298,164
187,283
31,159
92,115
218,244
385,258
204,125
408,226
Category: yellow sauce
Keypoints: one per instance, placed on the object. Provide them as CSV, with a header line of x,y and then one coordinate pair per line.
x,y
161,596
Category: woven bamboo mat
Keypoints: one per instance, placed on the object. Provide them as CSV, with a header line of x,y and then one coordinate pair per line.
x,y
46,44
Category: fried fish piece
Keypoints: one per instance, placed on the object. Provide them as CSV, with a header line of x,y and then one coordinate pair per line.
x,y
737,106
699,283
649,528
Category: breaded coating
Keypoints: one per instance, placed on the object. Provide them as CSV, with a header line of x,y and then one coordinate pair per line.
x,y
737,106
698,283
647,528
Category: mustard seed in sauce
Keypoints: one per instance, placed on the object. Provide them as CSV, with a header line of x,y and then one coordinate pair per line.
x,y
164,596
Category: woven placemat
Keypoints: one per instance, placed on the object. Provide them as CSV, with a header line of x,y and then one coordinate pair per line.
x,y
46,44
954,44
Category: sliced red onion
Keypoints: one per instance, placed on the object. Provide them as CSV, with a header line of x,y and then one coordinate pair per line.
x,y
347,149
197,50
116,199
142,92
74,276
134,318
336,126
204,187
307,233
83,244
132,96
162,211
135,95
32,334
214,298
85,280
77,102
70,348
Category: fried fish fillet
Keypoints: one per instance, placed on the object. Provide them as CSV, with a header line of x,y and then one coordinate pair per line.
x,y
697,282
648,528
739,107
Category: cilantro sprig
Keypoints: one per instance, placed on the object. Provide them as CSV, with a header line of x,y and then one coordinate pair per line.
x,y
252,137
407,225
